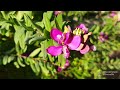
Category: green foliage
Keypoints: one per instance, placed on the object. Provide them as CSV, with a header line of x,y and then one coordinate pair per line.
x,y
25,36
46,22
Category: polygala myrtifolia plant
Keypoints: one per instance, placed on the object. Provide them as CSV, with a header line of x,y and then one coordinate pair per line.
x,y
78,41
53,45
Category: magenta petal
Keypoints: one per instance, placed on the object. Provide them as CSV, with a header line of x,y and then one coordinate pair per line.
x,y
85,49
112,14
66,52
75,43
68,38
59,69
56,34
54,50
57,12
102,33
83,27
67,63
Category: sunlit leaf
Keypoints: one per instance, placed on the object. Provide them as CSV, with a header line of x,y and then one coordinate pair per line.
x,y
35,52
46,22
5,60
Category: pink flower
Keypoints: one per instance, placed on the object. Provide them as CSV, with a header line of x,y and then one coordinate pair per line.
x,y
83,28
113,13
65,42
59,69
103,37
93,48
57,12
84,46
65,66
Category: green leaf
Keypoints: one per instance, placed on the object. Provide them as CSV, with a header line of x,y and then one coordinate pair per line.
x,y
117,67
20,36
49,66
27,22
5,60
110,66
96,29
35,26
46,22
17,48
51,58
111,61
96,73
11,12
19,15
27,61
20,62
92,28
29,13
35,39
2,22
109,21
103,67
4,15
114,48
59,21
2,31
28,28
44,69
33,67
77,76
62,60
43,52
70,13
19,31
29,36
107,28
16,64
7,33
37,67
35,52
6,25
46,34
11,58
53,23
49,14
22,41
40,24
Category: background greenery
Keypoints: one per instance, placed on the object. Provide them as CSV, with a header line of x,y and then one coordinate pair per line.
x,y
25,35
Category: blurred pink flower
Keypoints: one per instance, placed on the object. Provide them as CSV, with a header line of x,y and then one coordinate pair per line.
x,y
93,48
103,37
57,12
113,13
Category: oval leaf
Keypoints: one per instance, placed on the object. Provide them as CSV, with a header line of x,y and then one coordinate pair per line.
x,y
35,52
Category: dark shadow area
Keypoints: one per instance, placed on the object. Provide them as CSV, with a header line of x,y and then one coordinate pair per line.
x,y
9,71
